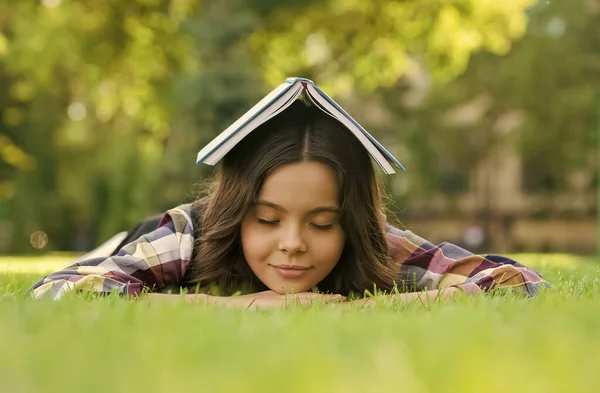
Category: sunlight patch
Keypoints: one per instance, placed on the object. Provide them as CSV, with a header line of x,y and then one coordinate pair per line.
x,y
45,264
549,260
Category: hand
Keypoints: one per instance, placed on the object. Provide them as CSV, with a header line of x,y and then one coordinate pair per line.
x,y
271,299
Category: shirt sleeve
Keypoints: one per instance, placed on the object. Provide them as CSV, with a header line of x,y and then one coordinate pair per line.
x,y
426,266
152,261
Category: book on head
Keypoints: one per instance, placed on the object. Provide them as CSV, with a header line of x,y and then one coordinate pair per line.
x,y
276,102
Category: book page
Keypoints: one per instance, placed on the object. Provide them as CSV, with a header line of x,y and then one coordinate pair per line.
x,y
341,110
261,106
315,103
274,108
346,120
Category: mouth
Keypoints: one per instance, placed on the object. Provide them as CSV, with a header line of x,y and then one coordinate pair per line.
x,y
291,271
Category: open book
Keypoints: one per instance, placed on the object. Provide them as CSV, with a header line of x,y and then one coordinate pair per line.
x,y
276,102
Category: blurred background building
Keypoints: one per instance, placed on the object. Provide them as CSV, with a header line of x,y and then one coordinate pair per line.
x,y
493,107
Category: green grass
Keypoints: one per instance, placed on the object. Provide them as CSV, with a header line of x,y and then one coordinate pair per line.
x,y
495,344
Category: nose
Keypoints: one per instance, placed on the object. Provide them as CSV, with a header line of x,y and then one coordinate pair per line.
x,y
292,241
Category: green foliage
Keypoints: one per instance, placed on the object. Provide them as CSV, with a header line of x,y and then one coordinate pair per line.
x,y
103,105
542,98
373,43
90,80
102,125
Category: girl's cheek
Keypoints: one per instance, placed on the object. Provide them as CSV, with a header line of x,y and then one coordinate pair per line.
x,y
256,242
331,244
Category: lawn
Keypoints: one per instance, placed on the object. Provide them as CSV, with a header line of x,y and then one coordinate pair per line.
x,y
488,343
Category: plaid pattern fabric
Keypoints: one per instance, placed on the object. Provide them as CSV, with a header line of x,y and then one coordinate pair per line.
x,y
153,261
160,258
447,265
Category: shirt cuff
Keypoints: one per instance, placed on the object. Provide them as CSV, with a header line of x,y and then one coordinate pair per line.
x,y
470,288
132,290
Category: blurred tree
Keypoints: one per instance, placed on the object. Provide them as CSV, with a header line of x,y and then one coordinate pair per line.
x,y
85,109
546,90
106,112
104,105
369,44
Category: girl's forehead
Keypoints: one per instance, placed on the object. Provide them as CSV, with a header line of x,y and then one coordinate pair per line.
x,y
301,185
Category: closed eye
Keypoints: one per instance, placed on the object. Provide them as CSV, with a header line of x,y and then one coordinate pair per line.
x,y
266,222
322,227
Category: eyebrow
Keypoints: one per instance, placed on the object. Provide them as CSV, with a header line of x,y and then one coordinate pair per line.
x,y
320,209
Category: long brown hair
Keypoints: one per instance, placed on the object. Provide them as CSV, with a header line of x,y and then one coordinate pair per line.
x,y
300,133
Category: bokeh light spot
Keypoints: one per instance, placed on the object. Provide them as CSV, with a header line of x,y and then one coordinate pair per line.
x,y
51,3
38,239
77,111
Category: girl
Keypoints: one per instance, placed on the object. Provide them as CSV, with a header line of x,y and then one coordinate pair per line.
x,y
295,209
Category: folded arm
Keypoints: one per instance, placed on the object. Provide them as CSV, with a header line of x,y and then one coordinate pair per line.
x,y
152,261
430,267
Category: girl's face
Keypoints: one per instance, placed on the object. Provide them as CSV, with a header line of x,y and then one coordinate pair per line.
x,y
292,237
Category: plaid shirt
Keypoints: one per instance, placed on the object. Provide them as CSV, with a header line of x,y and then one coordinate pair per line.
x,y
160,259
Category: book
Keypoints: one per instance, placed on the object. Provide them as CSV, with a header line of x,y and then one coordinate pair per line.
x,y
276,102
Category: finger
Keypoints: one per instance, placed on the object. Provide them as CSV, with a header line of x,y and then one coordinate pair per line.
x,y
316,295
305,298
310,298
332,298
